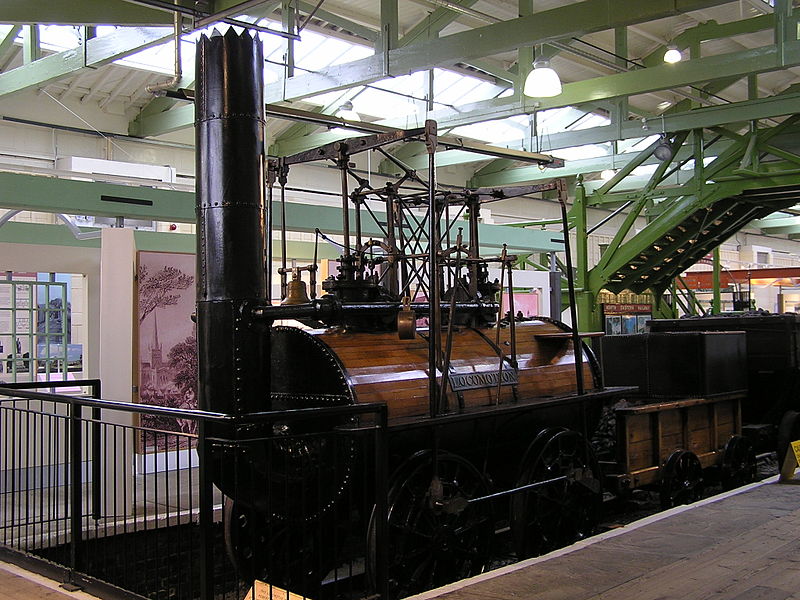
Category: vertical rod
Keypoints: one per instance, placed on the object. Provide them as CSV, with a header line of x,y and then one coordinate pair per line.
x,y
75,485
391,241
573,312
282,179
433,271
206,507
345,199
96,453
381,508
512,323
716,302
271,167
474,206
405,284
357,205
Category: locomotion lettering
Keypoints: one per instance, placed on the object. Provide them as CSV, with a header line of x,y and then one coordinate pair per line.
x,y
475,381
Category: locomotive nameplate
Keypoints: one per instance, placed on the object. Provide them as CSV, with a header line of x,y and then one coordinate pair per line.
x,y
485,379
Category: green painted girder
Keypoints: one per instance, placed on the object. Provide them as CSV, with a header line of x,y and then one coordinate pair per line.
x,y
94,53
711,30
8,41
526,174
302,129
692,238
347,24
503,77
708,116
81,12
433,23
693,198
54,195
572,20
777,224
152,241
630,83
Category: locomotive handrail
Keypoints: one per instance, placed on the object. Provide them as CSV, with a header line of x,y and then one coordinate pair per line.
x,y
12,394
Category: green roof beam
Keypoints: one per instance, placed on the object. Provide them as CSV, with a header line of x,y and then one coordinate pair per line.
x,y
431,25
8,41
31,46
572,20
54,195
95,52
711,30
83,12
631,83
339,21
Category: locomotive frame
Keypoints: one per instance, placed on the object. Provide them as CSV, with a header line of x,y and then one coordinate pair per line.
x,y
491,411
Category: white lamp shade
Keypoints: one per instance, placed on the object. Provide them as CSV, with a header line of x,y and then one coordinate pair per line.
x,y
672,55
542,82
607,174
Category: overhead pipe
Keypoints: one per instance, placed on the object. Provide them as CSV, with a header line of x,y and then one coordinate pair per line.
x,y
159,88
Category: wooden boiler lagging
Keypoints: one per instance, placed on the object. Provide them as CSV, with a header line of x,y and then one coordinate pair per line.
x,y
233,358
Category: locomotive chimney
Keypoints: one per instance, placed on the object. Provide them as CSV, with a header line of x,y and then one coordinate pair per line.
x,y
233,353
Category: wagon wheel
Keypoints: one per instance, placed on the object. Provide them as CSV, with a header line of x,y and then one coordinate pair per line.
x,y
738,463
434,535
681,479
272,551
788,432
561,512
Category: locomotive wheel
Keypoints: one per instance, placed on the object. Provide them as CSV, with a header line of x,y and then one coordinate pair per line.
x,y
272,551
561,512
738,463
788,432
681,479
435,536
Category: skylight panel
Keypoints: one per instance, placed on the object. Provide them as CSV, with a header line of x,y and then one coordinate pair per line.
x,y
59,37
493,132
580,152
385,105
588,121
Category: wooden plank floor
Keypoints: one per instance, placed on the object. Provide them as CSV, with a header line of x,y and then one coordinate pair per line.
x,y
744,546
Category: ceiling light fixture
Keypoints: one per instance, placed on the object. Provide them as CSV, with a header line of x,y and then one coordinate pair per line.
x,y
664,105
663,151
347,113
543,81
672,55
607,174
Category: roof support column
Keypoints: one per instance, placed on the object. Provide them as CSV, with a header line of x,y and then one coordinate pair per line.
x,y
31,49
389,25
289,22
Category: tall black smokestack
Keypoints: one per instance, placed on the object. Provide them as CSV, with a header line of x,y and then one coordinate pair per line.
x,y
229,128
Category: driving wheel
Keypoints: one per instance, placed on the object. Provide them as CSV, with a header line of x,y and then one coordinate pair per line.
x,y
566,507
435,535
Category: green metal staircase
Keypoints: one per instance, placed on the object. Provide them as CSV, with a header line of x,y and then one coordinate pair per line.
x,y
749,178
695,236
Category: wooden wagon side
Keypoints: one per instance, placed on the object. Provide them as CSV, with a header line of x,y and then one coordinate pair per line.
x,y
670,443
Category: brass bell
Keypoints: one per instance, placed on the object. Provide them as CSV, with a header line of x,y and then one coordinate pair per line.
x,y
406,321
296,291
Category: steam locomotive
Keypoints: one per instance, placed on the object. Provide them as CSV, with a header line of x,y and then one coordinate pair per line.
x,y
488,412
